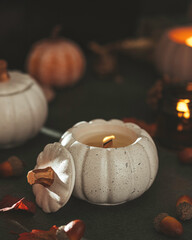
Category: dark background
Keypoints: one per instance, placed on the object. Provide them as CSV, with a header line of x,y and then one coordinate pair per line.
x,y
24,22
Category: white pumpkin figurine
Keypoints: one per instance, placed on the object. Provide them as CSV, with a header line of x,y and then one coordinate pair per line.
x,y
23,107
173,54
102,175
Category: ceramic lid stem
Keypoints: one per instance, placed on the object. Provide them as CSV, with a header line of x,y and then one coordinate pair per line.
x,y
4,77
44,176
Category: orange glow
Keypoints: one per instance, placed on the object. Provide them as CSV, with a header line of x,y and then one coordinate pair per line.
x,y
179,127
108,141
183,109
188,41
182,35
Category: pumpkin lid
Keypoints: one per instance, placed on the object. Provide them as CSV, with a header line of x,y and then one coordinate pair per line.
x,y
55,196
18,82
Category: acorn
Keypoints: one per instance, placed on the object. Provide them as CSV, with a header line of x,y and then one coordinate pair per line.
x,y
184,208
12,167
74,230
168,225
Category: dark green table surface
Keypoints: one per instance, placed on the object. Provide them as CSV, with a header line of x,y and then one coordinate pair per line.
x,y
95,97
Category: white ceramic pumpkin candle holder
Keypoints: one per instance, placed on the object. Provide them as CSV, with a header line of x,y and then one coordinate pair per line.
x,y
105,176
173,54
111,175
23,107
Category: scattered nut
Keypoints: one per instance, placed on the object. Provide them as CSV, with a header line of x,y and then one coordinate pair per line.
x,y
168,225
13,166
184,208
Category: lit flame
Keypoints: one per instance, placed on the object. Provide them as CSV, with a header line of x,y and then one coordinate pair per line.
x,y
188,41
183,109
108,141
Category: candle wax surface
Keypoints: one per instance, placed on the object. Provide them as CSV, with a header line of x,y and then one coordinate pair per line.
x,y
119,141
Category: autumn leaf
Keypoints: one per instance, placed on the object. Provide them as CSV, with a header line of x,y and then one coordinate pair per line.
x,y
74,230
39,234
13,203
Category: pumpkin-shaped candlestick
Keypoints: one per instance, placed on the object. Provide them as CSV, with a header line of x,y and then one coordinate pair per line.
x,y
23,107
56,61
53,177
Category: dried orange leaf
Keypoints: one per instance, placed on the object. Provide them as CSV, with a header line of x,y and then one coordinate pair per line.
x,y
13,203
39,234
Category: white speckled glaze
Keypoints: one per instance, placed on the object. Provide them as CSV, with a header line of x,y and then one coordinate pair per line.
x,y
110,176
60,160
23,109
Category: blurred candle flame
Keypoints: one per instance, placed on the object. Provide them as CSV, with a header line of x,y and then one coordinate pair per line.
x,y
188,41
183,109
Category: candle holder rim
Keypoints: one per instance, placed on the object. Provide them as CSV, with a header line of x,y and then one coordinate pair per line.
x,y
111,122
110,148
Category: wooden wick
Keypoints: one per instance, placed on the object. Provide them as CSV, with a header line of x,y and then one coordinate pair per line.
x,y
44,176
4,77
108,141
108,144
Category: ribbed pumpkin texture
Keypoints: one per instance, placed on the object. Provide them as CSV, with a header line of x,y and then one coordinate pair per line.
x,y
174,53
109,176
52,198
56,62
23,109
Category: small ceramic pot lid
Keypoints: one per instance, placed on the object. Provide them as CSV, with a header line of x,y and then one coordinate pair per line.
x,y
18,82
52,198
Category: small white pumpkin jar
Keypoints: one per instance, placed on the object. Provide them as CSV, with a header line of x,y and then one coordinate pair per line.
x,y
23,107
104,175
111,175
